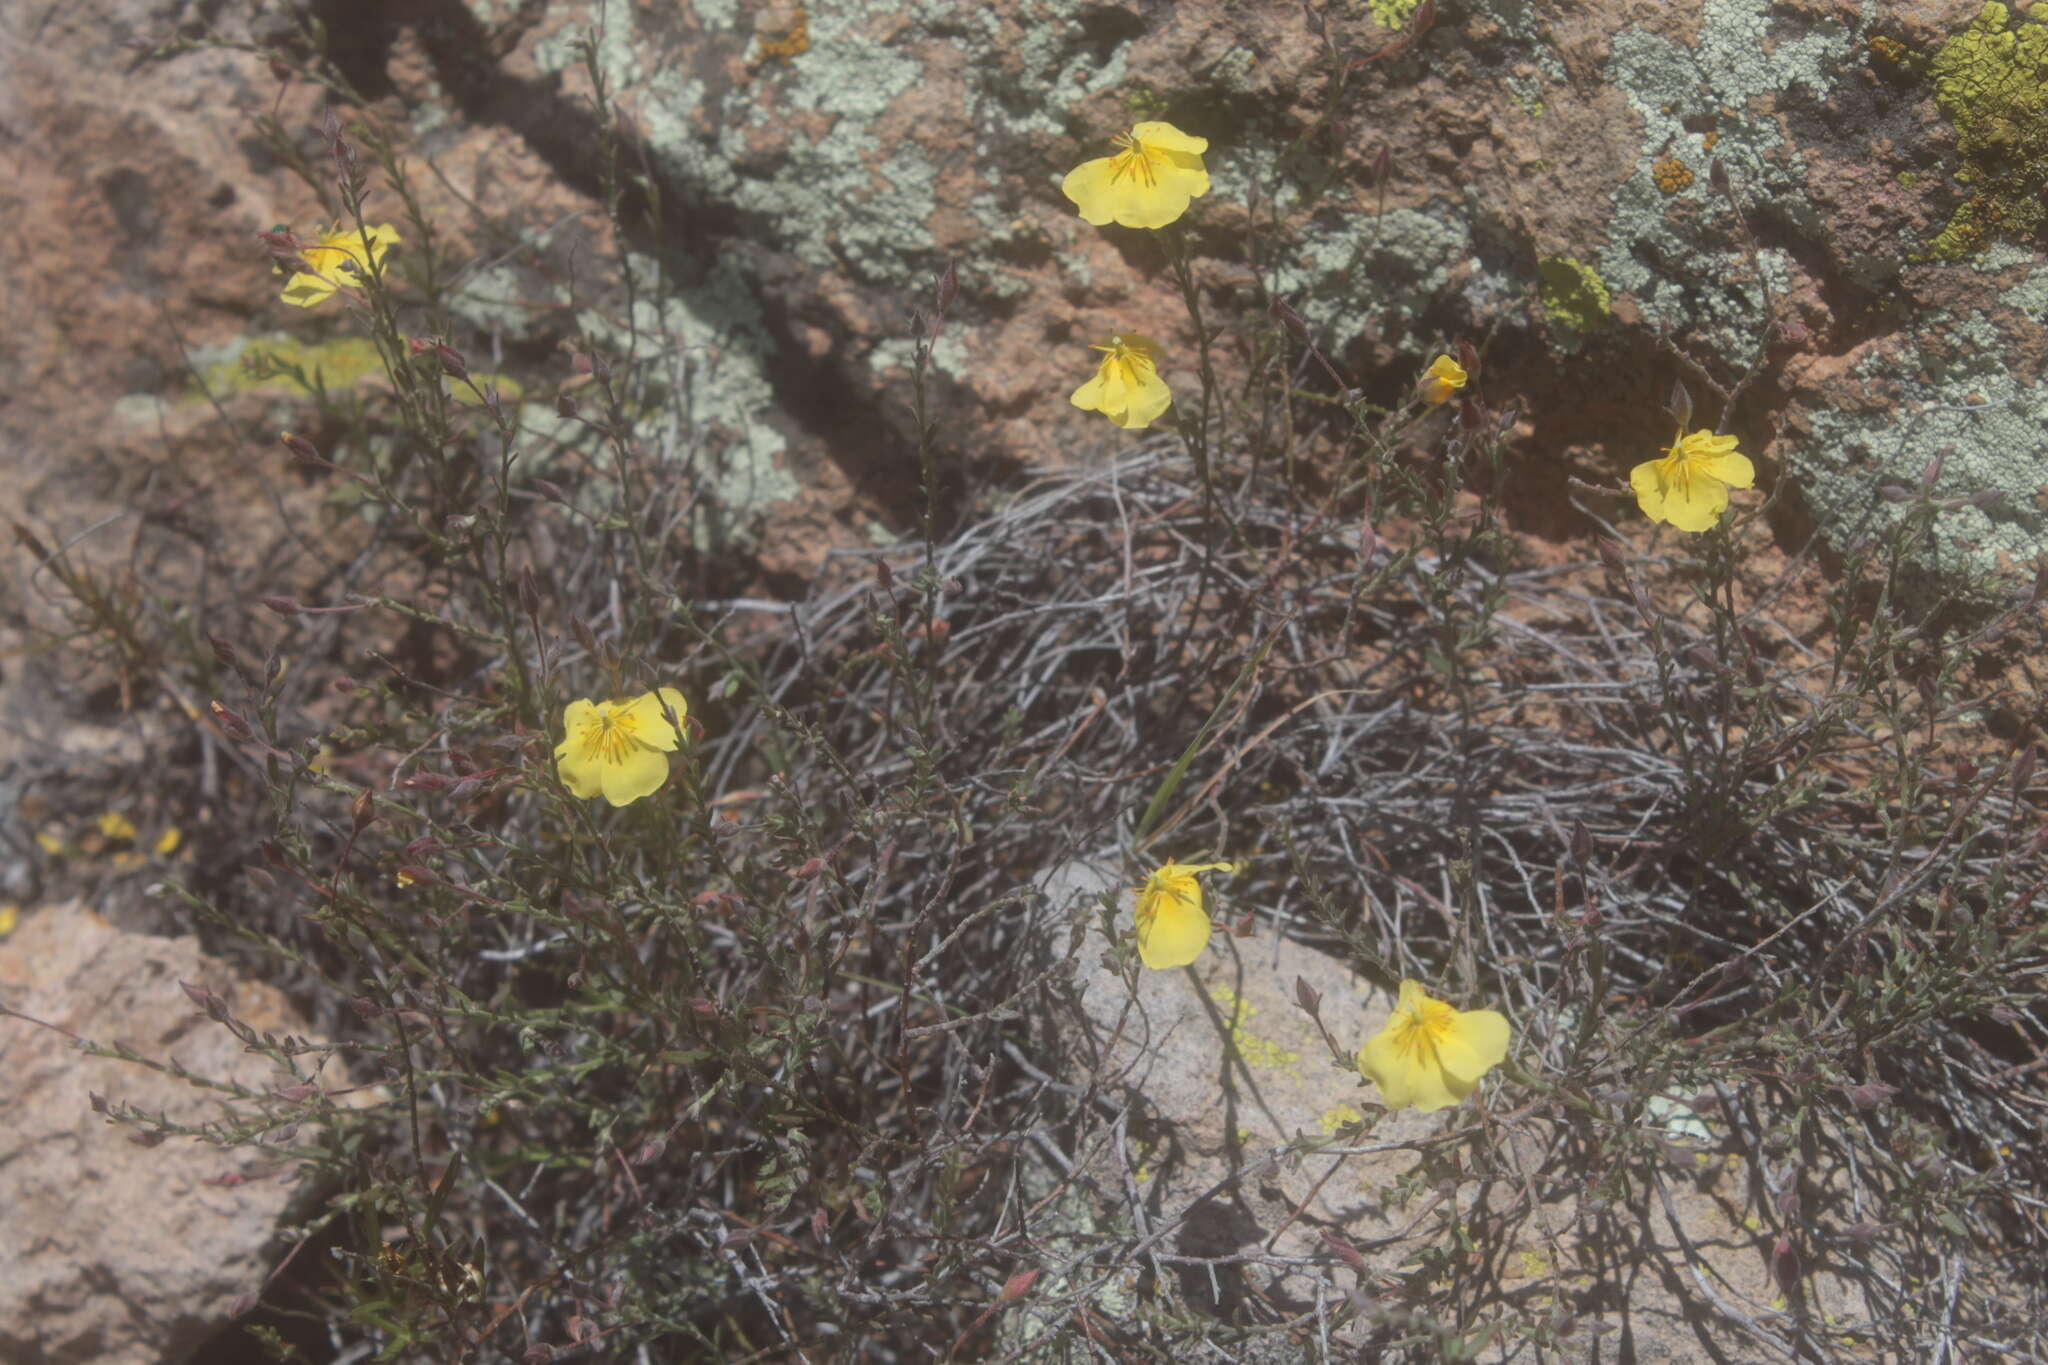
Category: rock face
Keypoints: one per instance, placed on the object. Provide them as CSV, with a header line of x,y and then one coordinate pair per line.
x,y
791,179
119,1253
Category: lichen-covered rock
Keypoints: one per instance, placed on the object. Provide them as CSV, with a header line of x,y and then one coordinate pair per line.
x,y
1616,194
120,1253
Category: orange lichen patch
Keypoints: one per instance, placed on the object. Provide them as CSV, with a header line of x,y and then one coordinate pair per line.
x,y
1671,174
793,43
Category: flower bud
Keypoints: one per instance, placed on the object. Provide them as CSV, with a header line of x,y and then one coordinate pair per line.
x,y
1892,492
283,606
1931,471
234,725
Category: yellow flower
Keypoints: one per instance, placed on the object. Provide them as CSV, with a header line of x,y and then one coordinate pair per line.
x,y
1126,388
1173,928
167,842
618,748
117,826
1689,486
342,257
10,915
1147,184
1430,1055
1444,377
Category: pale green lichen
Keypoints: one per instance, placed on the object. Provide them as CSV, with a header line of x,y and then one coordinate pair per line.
x,y
1357,275
1573,295
1676,265
1991,80
1953,395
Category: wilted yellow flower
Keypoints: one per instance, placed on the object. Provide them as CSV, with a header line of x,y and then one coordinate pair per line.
x,y
1430,1055
1689,486
116,826
618,749
1126,388
1444,377
341,257
1145,185
167,842
1172,926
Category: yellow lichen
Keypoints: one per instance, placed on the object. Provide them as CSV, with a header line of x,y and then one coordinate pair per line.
x,y
1258,1053
1991,80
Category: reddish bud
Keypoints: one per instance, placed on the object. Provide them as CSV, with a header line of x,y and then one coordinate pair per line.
x,y
1679,404
302,448
551,490
283,606
1344,1251
885,575
1382,165
362,811
1610,555
1892,492
1306,996
529,593
2022,769
453,363
1019,1284
1582,842
1468,358
565,406
1785,1266
948,289
1931,471
414,874
234,725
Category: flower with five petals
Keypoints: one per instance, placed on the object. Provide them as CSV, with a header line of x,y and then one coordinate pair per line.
x,y
618,749
1443,378
1147,184
1126,388
1430,1055
1689,486
1172,925
340,259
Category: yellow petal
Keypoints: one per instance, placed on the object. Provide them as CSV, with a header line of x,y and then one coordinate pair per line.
x,y
1477,1043
1402,1078
583,777
304,290
1175,932
1168,138
1648,481
1696,503
1091,185
1103,197
1089,395
1731,468
639,773
1146,401
650,725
